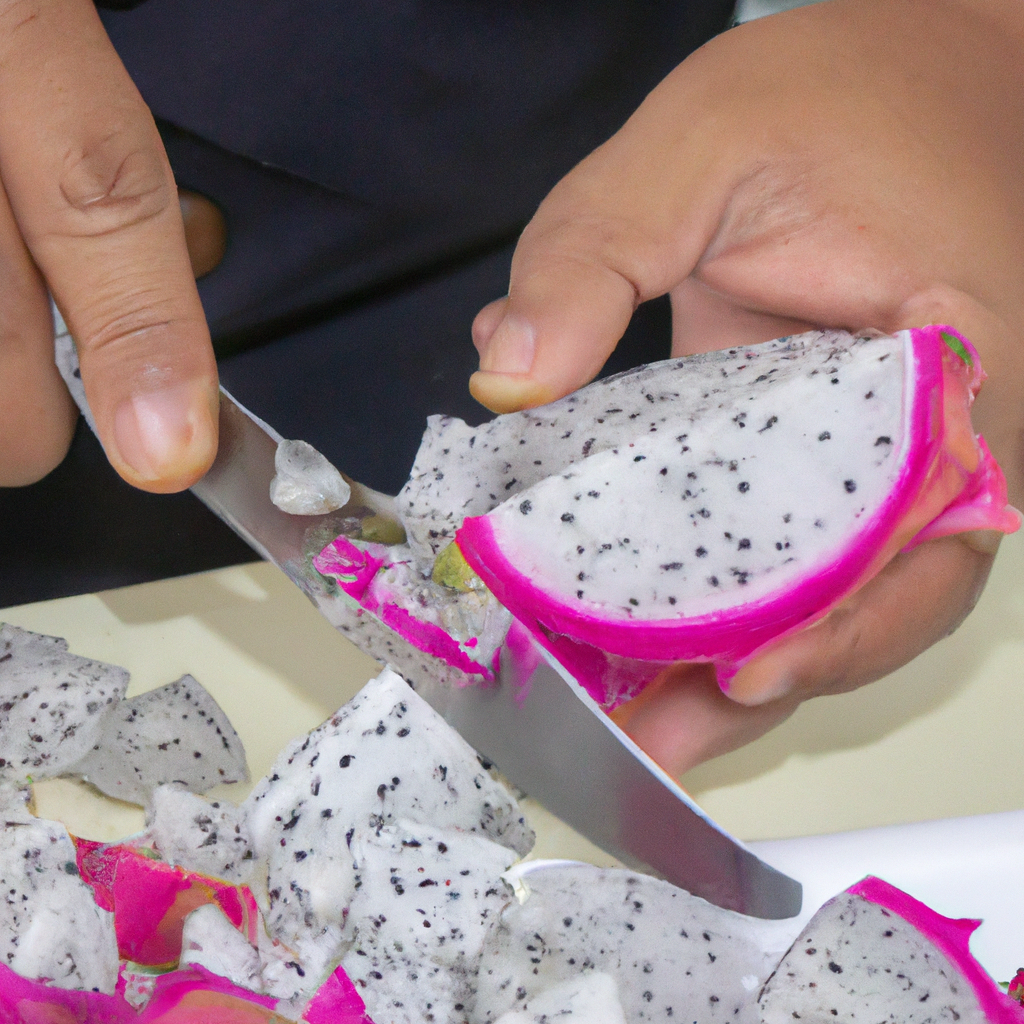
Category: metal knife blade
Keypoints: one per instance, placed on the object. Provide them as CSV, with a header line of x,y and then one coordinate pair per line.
x,y
535,723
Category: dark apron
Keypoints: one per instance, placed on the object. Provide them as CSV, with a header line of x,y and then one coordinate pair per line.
x,y
375,163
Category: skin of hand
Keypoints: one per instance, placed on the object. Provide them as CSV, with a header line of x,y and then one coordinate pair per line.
x,y
88,208
851,164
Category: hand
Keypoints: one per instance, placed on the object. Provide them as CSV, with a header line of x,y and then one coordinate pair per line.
x,y
856,163
89,209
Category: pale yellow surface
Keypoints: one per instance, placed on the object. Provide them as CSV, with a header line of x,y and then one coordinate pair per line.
x,y
941,738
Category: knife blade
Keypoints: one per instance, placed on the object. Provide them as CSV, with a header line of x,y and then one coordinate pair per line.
x,y
535,722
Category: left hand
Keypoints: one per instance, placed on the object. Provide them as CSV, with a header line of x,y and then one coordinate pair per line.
x,y
855,163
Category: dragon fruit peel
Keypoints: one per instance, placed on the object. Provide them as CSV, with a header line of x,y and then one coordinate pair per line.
x,y
790,474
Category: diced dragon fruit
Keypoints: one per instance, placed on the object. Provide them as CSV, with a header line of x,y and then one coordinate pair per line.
x,y
208,836
23,1001
50,926
425,900
52,704
674,957
210,940
385,756
175,733
873,953
151,899
589,999
723,501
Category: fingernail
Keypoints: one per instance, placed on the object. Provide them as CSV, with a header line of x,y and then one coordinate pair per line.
x,y
154,431
511,348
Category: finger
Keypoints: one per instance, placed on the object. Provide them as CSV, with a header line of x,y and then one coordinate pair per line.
x,y
684,719
37,415
625,226
916,600
95,201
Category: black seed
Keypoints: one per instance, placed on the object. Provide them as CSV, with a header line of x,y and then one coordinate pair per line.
x,y
593,494
713,580
778,545
672,566
769,423
580,549
824,436
525,507
639,458
883,440
834,967
743,487
581,576
671,600
346,761
663,471
567,517
633,601
579,593
744,544
870,394
701,552
703,513
850,485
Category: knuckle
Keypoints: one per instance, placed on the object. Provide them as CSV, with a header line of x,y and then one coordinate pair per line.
x,y
114,183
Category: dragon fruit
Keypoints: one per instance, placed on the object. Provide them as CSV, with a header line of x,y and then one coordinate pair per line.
x,y
211,837
673,956
593,998
175,733
210,940
50,926
873,953
385,757
52,704
424,902
700,508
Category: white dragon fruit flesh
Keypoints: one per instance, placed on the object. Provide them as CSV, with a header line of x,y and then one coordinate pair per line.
x,y
674,957
210,940
699,508
425,899
175,733
52,704
385,756
875,954
208,836
50,925
589,999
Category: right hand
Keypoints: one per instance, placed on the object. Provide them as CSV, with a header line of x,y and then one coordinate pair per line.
x,y
89,210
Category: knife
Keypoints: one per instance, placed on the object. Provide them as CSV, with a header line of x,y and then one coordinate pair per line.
x,y
535,722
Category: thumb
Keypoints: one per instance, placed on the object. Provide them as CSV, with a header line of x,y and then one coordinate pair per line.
x,y
626,225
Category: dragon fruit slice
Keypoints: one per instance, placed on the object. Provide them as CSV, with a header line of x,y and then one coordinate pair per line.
x,y
747,492
50,927
386,755
462,625
674,957
208,836
175,733
873,953
52,703
23,1001
211,941
590,999
424,902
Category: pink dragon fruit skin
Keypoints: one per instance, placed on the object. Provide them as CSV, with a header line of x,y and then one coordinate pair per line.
x,y
948,482
952,937
356,570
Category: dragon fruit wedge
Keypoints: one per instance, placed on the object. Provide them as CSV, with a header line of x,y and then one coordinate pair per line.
x,y
673,956
873,953
699,508
52,704
175,733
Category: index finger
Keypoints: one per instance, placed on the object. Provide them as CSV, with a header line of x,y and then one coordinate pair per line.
x,y
95,200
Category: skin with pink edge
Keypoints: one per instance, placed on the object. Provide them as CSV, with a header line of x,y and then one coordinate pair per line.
x,y
948,482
